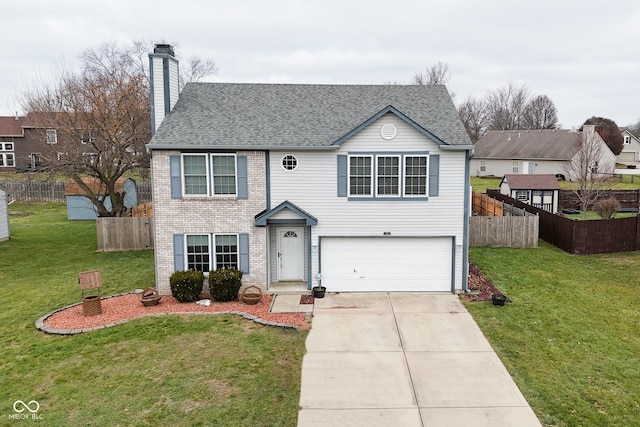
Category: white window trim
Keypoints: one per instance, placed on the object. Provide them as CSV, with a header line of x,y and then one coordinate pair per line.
x,y
403,176
627,140
400,176
515,166
6,146
211,241
373,175
282,163
210,183
55,136
207,174
483,165
4,157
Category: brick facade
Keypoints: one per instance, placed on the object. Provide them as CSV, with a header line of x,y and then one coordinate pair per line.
x,y
209,215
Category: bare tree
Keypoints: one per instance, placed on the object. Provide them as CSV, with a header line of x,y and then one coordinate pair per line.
x,y
540,113
101,118
196,70
437,74
473,113
584,169
635,129
506,107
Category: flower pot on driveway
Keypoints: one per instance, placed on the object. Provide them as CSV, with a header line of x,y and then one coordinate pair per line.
x,y
318,291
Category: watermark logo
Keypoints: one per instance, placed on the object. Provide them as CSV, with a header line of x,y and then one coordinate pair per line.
x,y
26,411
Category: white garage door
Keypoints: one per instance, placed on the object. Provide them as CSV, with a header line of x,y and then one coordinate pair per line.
x,y
386,264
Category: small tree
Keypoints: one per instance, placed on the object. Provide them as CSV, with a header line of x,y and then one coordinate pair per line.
x,y
609,131
583,168
606,208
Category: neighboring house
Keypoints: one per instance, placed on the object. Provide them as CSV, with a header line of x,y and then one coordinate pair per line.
x,y
4,215
630,154
541,191
545,151
10,132
360,188
79,207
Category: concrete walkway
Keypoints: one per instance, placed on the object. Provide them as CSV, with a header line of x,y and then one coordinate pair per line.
x,y
404,360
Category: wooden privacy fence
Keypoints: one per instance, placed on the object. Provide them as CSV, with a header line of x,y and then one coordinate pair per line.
x,y
53,191
35,191
143,210
504,231
486,206
584,237
124,233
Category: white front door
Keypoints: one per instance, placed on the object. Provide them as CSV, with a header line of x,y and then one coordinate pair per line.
x,y
290,253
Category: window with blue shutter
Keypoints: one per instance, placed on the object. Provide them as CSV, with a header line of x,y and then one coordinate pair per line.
x,y
175,176
178,252
434,174
342,176
243,187
244,252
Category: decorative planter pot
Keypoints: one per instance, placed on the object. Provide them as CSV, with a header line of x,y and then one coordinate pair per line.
x,y
150,297
498,299
318,291
91,305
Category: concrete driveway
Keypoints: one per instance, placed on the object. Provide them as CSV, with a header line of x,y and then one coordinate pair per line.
x,y
399,359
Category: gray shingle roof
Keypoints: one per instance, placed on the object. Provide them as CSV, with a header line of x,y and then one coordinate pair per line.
x,y
226,115
547,144
532,182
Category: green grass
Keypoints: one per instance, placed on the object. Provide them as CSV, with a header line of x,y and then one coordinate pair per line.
x,y
175,370
624,182
594,215
571,336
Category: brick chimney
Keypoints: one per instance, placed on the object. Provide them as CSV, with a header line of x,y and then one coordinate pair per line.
x,y
163,69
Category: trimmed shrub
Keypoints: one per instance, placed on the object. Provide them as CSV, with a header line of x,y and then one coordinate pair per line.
x,y
224,284
606,208
186,286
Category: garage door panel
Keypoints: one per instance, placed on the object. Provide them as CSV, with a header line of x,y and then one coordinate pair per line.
x,y
386,264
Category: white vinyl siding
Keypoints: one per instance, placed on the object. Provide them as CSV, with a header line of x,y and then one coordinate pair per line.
x,y
316,181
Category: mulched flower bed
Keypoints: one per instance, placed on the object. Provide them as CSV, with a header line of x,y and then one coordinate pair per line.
x,y
479,282
125,307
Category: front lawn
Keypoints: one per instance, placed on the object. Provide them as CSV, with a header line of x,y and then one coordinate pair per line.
x,y
571,336
173,370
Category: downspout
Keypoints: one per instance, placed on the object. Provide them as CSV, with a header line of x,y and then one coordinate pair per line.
x,y
467,215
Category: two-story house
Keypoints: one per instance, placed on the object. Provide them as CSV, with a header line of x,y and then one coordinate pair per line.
x,y
630,154
356,187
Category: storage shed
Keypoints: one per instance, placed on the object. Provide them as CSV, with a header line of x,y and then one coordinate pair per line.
x,y
539,190
4,215
79,207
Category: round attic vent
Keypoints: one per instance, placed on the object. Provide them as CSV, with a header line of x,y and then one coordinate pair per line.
x,y
388,131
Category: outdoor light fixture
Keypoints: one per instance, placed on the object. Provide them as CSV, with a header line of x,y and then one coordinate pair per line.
x,y
387,233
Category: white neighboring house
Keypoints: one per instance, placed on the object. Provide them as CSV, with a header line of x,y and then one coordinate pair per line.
x,y
545,151
356,187
630,154
541,191
4,215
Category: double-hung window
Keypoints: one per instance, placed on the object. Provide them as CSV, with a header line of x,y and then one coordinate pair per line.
x,y
388,176
360,175
224,174
195,167
205,252
415,176
52,136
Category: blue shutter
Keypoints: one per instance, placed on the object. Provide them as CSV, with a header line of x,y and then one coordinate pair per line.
x,y
178,252
434,174
243,249
243,187
176,177
342,176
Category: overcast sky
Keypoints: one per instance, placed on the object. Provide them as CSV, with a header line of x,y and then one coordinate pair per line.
x,y
584,55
